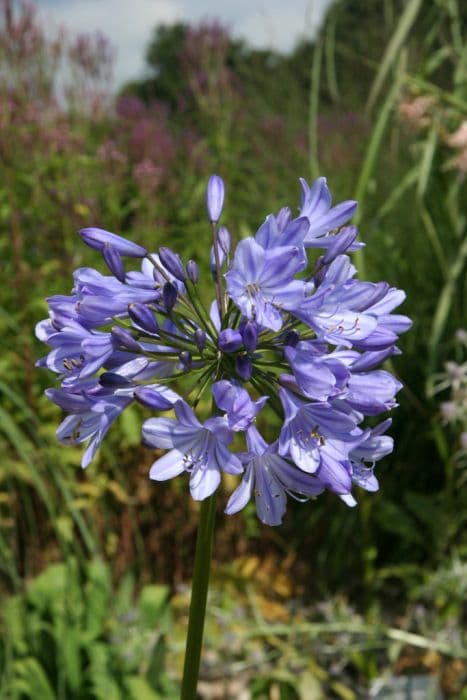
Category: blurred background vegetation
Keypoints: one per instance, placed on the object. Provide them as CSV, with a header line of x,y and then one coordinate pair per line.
x,y
95,567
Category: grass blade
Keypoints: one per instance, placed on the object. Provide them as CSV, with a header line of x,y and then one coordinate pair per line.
x,y
393,49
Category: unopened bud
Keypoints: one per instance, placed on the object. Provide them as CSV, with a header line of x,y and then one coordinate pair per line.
x,y
113,380
230,340
199,336
192,271
97,238
223,236
123,337
152,399
114,262
244,367
215,197
186,359
143,318
291,338
172,262
169,295
250,335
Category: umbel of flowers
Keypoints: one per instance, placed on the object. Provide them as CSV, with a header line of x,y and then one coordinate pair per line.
x,y
286,330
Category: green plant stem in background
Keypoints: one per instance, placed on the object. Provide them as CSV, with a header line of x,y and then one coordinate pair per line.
x,y
199,594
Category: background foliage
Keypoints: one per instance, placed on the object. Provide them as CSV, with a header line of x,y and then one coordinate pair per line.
x,y
94,566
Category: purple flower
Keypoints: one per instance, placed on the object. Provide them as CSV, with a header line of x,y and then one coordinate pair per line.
x,y
270,478
372,392
236,402
316,207
310,337
318,439
93,408
318,375
198,449
98,238
215,197
261,283
77,353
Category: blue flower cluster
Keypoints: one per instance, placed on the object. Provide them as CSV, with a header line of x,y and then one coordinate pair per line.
x,y
303,337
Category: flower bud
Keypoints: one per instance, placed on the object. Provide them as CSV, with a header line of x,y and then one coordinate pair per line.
x,y
172,262
169,295
199,336
243,367
291,338
342,241
250,335
143,318
215,197
186,359
192,271
212,259
230,340
97,238
123,337
223,236
152,399
114,262
112,380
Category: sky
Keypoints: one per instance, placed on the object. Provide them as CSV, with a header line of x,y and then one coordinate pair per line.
x,y
128,24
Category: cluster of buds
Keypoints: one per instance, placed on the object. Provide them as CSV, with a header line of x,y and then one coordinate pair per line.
x,y
287,330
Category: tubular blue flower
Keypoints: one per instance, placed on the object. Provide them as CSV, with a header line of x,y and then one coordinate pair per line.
x,y
261,284
93,408
240,410
318,438
271,478
372,392
316,207
215,197
271,235
98,238
78,353
158,397
198,449
318,375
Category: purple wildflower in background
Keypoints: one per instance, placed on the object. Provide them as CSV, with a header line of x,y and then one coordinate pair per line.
x,y
290,329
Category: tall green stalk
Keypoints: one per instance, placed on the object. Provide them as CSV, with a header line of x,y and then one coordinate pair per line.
x,y
199,594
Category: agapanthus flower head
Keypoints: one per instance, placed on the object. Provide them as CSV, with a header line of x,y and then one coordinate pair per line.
x,y
288,330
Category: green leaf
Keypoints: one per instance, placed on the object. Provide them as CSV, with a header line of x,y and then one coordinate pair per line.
x,y
98,592
154,606
31,680
139,689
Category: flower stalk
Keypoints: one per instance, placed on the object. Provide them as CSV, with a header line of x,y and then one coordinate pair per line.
x,y
199,592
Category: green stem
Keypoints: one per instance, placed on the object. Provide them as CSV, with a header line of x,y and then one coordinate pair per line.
x,y
199,594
